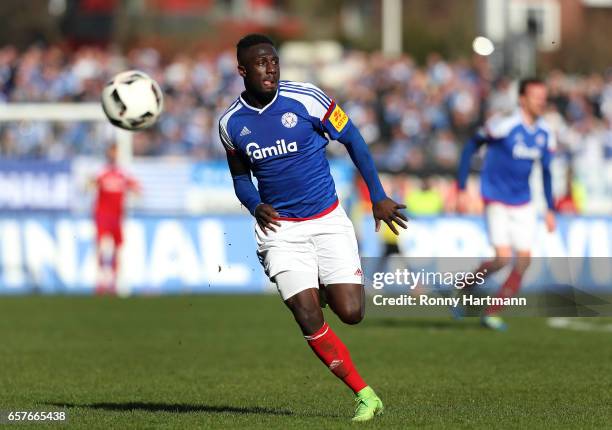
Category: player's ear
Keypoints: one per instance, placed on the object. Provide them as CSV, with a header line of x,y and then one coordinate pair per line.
x,y
242,70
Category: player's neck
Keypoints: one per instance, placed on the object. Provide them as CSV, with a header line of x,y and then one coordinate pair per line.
x,y
257,100
528,118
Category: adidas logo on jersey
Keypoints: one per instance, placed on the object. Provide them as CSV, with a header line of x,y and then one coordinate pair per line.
x,y
253,150
245,131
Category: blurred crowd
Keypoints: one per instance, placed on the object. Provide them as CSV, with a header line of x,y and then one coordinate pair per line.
x,y
415,117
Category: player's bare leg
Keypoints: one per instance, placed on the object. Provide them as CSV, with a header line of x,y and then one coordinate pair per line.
x,y
100,285
347,301
503,257
114,266
105,249
509,288
307,312
512,284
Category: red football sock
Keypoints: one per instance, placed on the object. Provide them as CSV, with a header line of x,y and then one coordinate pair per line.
x,y
485,269
508,289
335,355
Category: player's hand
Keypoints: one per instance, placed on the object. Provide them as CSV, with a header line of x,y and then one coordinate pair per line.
x,y
265,215
551,221
462,202
387,210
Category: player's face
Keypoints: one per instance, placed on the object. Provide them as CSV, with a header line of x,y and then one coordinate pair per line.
x,y
111,154
534,100
260,69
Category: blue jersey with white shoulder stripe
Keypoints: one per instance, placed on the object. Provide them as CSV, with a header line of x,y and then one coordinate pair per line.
x,y
284,143
512,148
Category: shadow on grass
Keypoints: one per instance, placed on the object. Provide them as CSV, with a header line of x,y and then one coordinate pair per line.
x,y
174,407
424,323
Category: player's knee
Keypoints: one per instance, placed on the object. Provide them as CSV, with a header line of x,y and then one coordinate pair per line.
x,y
522,263
310,319
351,313
353,318
500,262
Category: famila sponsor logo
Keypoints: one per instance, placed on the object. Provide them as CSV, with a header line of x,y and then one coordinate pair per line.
x,y
522,151
255,152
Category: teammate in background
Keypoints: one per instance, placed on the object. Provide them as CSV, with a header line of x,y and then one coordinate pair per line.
x,y
513,143
111,185
278,130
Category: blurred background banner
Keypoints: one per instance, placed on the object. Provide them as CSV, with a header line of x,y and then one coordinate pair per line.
x,y
212,254
35,185
44,254
460,236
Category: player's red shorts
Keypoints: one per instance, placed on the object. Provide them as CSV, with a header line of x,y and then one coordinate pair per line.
x,y
109,226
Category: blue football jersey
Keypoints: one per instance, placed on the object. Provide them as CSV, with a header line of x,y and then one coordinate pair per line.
x,y
512,148
284,143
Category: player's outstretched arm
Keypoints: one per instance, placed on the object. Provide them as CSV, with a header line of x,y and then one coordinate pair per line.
x,y
383,208
248,195
134,186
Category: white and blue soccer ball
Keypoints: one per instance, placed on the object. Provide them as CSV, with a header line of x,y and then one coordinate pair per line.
x,y
132,100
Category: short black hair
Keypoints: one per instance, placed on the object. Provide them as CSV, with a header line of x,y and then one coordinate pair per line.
x,y
251,40
524,83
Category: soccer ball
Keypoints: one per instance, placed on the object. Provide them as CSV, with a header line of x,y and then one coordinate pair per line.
x,y
132,100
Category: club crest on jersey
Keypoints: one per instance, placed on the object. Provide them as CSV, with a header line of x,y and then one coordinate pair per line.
x,y
289,119
540,140
255,152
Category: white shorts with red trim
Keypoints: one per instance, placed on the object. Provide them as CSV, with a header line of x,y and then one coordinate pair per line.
x,y
513,226
322,249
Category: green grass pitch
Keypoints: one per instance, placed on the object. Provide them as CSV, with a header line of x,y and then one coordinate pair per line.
x,y
240,362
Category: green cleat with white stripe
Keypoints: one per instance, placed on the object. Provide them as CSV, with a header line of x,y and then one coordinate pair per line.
x,y
493,322
368,405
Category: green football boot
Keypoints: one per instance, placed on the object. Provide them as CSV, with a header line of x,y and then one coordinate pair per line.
x,y
368,405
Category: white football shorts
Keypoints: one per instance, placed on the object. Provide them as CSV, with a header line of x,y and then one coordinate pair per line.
x,y
322,249
513,226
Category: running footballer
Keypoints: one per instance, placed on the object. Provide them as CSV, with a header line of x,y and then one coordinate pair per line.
x,y
277,131
514,142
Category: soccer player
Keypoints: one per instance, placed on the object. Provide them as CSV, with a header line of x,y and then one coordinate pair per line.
x,y
277,130
111,184
513,143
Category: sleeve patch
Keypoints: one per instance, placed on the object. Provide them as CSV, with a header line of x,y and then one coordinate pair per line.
x,y
338,118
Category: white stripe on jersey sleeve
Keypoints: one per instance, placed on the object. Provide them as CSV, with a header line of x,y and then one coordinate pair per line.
x,y
499,126
551,143
223,133
308,87
313,106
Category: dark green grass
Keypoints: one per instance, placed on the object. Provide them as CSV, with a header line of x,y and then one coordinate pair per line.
x,y
240,362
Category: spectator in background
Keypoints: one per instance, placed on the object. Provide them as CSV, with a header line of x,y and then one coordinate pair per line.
x,y
572,200
425,201
413,117
439,102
